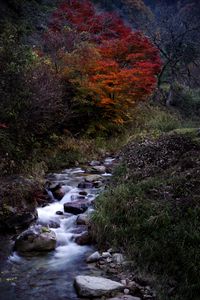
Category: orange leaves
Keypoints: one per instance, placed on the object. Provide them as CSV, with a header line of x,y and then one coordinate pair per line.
x,y
114,65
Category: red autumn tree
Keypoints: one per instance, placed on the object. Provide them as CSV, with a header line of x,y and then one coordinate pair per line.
x,y
120,69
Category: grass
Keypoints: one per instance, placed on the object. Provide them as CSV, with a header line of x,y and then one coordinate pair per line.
x,y
155,218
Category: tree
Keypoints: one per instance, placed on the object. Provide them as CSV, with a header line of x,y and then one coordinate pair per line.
x,y
175,31
111,67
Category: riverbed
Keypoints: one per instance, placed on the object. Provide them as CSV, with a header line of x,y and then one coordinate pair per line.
x,y
51,275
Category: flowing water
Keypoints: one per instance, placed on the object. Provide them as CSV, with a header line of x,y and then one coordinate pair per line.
x,y
50,276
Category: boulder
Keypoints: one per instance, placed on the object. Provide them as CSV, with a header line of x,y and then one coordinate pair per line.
x,y
79,229
36,238
90,286
59,213
106,255
99,169
82,219
85,185
75,208
94,257
94,163
92,178
57,191
98,184
84,239
83,193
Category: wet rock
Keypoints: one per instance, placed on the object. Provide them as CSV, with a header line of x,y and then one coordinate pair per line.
x,y
54,224
99,169
92,178
57,192
82,219
59,213
75,208
126,291
84,239
118,258
94,163
106,254
36,239
90,286
83,193
51,224
94,257
79,229
85,185
77,197
98,184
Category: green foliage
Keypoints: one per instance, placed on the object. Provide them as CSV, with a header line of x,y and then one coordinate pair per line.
x,y
155,215
188,101
163,120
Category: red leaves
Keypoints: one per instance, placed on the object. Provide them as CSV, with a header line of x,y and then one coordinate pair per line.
x,y
124,65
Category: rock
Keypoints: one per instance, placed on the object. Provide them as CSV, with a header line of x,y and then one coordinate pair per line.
x,y
125,297
85,185
84,239
80,229
94,163
98,184
54,224
83,193
51,224
82,219
59,213
36,239
118,258
58,193
75,208
93,257
123,281
99,169
110,250
92,178
126,291
90,286
106,254
77,197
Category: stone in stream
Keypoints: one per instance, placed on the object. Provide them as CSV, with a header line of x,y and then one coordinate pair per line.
x,y
94,257
59,213
98,184
92,178
83,193
76,208
83,219
77,197
36,238
94,163
99,169
91,286
56,190
106,255
84,239
85,185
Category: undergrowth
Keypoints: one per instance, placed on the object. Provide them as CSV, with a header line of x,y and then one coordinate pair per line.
x,y
155,209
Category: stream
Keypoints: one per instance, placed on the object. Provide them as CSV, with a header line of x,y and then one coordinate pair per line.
x,y
50,275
